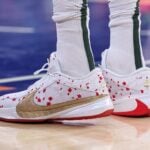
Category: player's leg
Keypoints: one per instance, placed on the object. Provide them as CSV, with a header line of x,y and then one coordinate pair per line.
x,y
72,88
124,68
125,41
73,41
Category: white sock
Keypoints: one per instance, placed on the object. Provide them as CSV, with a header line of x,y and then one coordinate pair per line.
x,y
73,43
125,53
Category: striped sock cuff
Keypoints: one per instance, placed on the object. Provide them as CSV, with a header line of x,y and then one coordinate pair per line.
x,y
136,37
86,36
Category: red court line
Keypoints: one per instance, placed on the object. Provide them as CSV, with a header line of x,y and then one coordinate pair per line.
x,y
6,88
145,2
145,6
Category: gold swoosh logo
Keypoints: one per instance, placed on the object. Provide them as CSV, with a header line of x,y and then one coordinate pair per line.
x,y
28,109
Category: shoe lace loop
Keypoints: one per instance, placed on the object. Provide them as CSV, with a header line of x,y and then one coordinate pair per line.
x,y
44,68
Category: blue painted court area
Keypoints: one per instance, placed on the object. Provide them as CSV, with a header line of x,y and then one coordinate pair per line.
x,y
27,37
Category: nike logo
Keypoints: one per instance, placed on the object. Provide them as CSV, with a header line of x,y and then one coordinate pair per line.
x,y
28,109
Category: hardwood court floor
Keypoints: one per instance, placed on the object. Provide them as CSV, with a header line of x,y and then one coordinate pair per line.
x,y
110,133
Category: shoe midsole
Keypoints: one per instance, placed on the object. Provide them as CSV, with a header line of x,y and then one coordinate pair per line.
x,y
90,109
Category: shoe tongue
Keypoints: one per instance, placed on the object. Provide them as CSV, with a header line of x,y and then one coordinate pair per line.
x,y
54,65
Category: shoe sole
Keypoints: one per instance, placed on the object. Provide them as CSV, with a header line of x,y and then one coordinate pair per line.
x,y
141,110
100,108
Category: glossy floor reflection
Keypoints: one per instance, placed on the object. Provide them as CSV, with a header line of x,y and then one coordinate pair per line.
x,y
110,133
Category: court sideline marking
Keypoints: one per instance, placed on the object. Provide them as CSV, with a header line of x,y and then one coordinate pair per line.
x,y
21,78
14,29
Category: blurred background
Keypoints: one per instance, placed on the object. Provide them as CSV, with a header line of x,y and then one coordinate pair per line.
x,y
27,37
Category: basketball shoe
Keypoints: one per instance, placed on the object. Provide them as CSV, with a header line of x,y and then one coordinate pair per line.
x,y
130,93
58,97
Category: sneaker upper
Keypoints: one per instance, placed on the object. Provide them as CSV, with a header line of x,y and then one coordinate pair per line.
x,y
11,100
135,85
132,86
56,87
60,88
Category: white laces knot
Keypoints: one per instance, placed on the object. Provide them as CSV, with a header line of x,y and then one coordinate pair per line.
x,y
44,68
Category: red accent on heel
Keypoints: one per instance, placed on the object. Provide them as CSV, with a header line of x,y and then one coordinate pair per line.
x,y
140,111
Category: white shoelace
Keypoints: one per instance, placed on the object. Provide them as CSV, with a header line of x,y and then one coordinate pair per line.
x,y
44,68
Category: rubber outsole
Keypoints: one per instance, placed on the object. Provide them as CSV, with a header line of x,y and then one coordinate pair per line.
x,y
141,110
104,114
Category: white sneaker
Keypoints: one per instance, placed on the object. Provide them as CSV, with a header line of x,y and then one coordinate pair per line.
x,y
131,93
59,97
